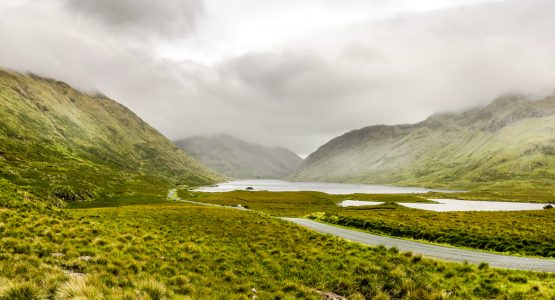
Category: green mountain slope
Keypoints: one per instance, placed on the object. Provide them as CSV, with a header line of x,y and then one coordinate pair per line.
x,y
510,142
68,145
238,159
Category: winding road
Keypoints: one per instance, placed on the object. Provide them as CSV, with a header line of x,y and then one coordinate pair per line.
x,y
428,250
434,251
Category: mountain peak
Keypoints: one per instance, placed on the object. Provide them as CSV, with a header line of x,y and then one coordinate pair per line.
x,y
507,101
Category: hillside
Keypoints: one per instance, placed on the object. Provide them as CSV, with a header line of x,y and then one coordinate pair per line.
x,y
510,142
238,159
64,144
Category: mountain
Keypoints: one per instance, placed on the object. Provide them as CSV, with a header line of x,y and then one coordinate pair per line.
x,y
511,140
238,159
65,144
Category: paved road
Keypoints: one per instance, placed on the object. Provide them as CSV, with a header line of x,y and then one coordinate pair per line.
x,y
443,253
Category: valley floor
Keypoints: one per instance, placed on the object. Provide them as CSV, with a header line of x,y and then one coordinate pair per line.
x,y
181,250
187,251
529,233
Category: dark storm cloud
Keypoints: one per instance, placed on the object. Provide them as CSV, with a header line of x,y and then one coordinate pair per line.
x,y
165,18
394,70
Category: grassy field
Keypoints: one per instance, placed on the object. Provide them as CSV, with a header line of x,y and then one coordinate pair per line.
x,y
174,251
290,204
525,232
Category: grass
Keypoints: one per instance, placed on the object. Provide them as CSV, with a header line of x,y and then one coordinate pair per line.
x,y
178,250
184,251
68,146
290,204
523,233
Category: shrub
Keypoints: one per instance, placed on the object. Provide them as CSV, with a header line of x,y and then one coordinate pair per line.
x,y
77,288
21,290
154,289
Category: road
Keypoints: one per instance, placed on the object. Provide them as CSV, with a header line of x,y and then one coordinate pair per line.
x,y
172,196
433,251
428,250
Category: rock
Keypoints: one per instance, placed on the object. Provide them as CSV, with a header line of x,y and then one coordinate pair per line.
x,y
85,258
57,254
330,296
73,274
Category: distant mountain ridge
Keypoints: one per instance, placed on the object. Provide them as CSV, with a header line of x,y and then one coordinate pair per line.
x,y
70,145
239,159
511,139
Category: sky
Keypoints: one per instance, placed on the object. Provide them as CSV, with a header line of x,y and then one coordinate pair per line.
x,y
281,72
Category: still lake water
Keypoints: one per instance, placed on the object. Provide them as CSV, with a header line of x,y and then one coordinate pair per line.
x,y
468,205
328,188
443,205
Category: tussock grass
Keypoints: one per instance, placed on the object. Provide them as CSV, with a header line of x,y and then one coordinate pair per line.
x,y
173,251
521,232
184,251
291,204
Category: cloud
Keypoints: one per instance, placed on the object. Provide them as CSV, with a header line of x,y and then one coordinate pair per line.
x,y
140,18
307,90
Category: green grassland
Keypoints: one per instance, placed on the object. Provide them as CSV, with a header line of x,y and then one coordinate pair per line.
x,y
183,251
523,232
290,204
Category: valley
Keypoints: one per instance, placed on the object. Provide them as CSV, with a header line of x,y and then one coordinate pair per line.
x,y
85,213
277,150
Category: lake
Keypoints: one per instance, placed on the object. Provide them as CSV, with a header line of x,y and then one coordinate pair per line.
x,y
469,205
444,205
349,203
329,188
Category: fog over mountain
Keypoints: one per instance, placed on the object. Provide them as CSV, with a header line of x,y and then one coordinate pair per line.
x,y
285,73
239,159
509,141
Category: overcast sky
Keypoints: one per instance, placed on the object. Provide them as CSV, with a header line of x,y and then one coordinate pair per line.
x,y
284,72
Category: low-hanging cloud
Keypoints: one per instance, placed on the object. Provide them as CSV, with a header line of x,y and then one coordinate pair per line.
x,y
394,70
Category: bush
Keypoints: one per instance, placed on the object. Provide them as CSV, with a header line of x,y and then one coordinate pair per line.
x,y
77,288
21,290
154,289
